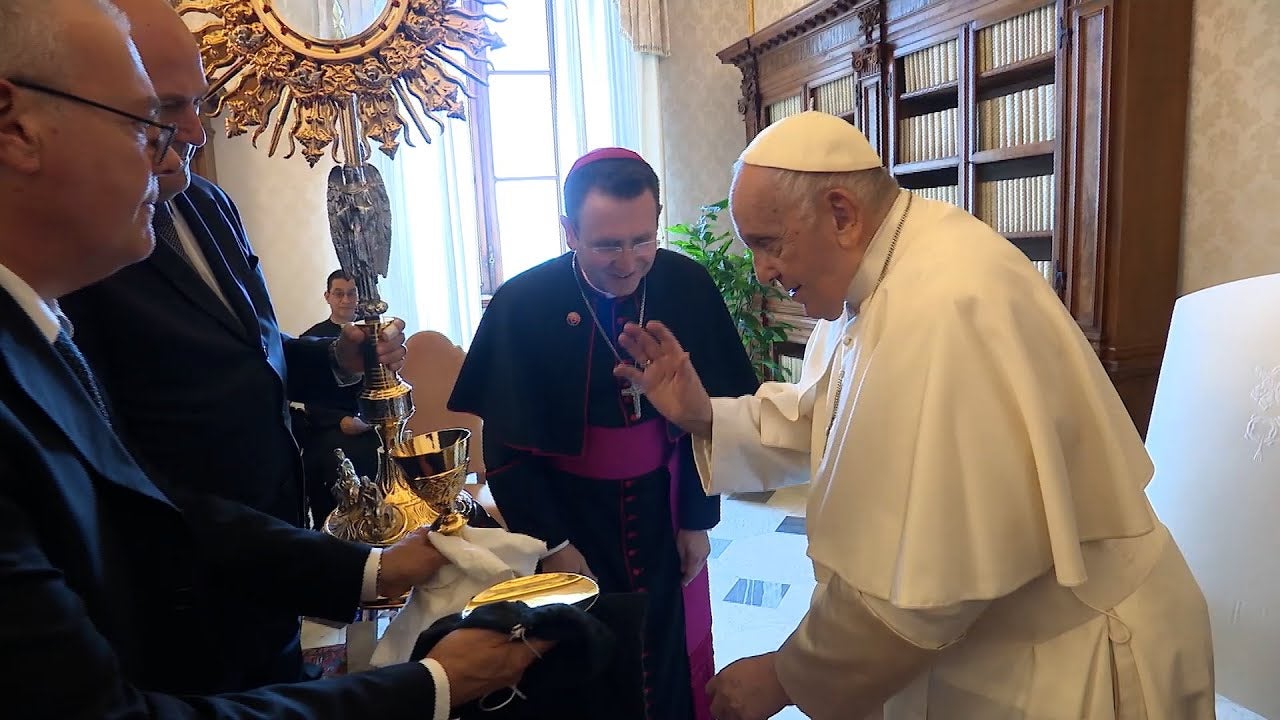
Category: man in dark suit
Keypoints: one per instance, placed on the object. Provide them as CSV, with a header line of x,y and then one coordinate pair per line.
x,y
99,568
194,364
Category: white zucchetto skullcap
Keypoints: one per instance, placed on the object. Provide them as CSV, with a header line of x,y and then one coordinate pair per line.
x,y
812,142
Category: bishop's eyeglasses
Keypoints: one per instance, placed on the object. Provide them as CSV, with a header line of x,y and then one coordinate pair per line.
x,y
164,133
615,249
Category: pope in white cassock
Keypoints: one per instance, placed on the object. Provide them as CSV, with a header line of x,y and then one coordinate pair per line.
x,y
977,519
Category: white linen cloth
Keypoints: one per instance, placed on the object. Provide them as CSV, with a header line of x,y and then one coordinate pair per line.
x,y
479,558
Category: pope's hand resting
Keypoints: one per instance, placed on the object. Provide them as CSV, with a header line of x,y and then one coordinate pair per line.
x,y
747,690
666,376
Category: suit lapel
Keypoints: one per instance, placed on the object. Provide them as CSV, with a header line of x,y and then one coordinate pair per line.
x,y
244,322
49,384
185,279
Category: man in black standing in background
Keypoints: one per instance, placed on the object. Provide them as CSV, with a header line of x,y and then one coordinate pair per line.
x,y
335,425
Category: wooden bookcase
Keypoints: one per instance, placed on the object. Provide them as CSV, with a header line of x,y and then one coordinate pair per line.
x,y
1060,123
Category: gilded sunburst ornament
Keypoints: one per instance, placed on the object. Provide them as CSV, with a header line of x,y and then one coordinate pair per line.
x,y
412,61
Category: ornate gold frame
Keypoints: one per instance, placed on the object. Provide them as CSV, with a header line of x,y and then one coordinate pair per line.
x,y
339,93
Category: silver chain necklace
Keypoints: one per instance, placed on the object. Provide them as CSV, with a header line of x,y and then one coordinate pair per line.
x,y
632,391
893,244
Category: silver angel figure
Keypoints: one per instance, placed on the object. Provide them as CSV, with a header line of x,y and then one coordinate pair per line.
x,y
360,226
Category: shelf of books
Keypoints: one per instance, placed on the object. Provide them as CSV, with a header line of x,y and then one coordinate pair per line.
x,y
838,97
975,126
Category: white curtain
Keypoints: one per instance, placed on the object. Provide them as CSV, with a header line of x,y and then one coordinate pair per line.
x,y
434,279
595,61
645,22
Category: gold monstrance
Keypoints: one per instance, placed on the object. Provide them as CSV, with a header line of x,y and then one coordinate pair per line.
x,y
337,89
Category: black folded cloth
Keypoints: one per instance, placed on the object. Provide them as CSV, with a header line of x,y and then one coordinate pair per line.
x,y
594,671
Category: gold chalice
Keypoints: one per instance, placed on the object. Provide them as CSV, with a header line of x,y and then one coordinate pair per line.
x,y
434,466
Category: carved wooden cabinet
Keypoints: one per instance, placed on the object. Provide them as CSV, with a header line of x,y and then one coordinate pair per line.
x,y
1062,124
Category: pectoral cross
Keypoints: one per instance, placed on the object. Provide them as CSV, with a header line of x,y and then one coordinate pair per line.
x,y
634,393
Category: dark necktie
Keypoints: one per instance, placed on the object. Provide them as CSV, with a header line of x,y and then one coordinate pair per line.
x,y
167,232
70,354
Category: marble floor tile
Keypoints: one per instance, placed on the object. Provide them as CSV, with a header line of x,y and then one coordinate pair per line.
x,y
1227,710
759,498
743,631
758,593
792,524
743,519
791,500
769,556
718,546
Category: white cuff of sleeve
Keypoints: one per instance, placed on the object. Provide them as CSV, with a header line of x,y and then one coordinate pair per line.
x,y
556,549
369,587
442,688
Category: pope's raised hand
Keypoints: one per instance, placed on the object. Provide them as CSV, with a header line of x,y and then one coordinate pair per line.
x,y
666,376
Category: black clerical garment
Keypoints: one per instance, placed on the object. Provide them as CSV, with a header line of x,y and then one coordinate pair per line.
x,y
323,434
568,460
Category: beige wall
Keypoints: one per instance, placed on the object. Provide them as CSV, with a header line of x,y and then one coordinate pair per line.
x,y
702,131
771,11
1231,227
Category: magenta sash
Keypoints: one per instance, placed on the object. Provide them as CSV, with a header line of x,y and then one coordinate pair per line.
x,y
603,458
647,448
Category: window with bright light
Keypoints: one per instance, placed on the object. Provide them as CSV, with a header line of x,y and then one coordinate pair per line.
x,y
515,131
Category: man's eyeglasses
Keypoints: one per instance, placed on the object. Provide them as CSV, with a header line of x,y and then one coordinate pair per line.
x,y
164,133
612,250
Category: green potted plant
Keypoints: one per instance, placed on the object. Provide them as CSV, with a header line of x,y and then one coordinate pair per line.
x,y
734,275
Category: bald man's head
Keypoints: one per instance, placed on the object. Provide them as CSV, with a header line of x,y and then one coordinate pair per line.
x,y
172,58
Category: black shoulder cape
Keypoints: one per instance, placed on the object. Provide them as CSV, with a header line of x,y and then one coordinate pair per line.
x,y
526,373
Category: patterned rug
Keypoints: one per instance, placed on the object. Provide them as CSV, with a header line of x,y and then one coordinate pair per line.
x,y
332,659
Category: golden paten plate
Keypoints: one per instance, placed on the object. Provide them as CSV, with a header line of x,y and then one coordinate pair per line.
x,y
539,590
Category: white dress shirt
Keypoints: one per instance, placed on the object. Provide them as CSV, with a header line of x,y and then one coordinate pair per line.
x,y
45,313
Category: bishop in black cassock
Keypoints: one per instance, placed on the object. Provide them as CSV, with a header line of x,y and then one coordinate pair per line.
x,y
570,460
